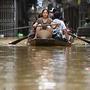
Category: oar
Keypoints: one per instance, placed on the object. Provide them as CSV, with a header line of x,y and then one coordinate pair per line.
x,y
20,39
73,35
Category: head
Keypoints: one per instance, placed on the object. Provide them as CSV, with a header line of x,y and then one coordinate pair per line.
x,y
55,23
57,15
45,13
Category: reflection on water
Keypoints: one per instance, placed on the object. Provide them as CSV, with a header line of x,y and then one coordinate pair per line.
x,y
44,68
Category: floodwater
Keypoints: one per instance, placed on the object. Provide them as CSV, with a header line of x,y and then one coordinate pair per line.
x,y
44,68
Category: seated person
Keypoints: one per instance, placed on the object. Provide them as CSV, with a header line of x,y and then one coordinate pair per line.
x,y
61,26
57,33
43,23
58,29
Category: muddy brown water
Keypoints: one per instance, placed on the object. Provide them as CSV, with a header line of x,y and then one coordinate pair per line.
x,y
44,68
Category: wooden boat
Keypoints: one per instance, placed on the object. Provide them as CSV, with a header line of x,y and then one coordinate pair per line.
x,y
48,42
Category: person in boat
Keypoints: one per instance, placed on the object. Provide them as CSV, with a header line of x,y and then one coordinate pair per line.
x,y
43,23
35,27
57,33
60,31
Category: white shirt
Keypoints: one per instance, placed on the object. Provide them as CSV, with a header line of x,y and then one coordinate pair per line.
x,y
61,24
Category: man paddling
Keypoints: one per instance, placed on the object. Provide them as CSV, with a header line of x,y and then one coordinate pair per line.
x,y
60,27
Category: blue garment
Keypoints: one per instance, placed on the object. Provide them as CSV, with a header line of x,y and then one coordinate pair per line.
x,y
56,34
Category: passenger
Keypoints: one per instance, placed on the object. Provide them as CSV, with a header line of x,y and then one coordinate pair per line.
x,y
62,27
57,33
43,23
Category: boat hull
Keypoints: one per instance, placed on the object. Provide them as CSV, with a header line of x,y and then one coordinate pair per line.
x,y
48,42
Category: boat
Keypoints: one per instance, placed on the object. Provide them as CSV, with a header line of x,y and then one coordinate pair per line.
x,y
45,39
48,42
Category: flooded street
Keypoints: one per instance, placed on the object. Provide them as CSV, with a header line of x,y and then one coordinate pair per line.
x,y
44,68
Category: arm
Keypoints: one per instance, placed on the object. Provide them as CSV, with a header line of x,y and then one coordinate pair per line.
x,y
64,28
35,24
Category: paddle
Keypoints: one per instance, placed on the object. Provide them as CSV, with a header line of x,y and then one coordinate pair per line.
x,y
73,35
20,39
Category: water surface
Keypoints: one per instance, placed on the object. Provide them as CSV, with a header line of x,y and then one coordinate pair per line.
x,y
44,68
